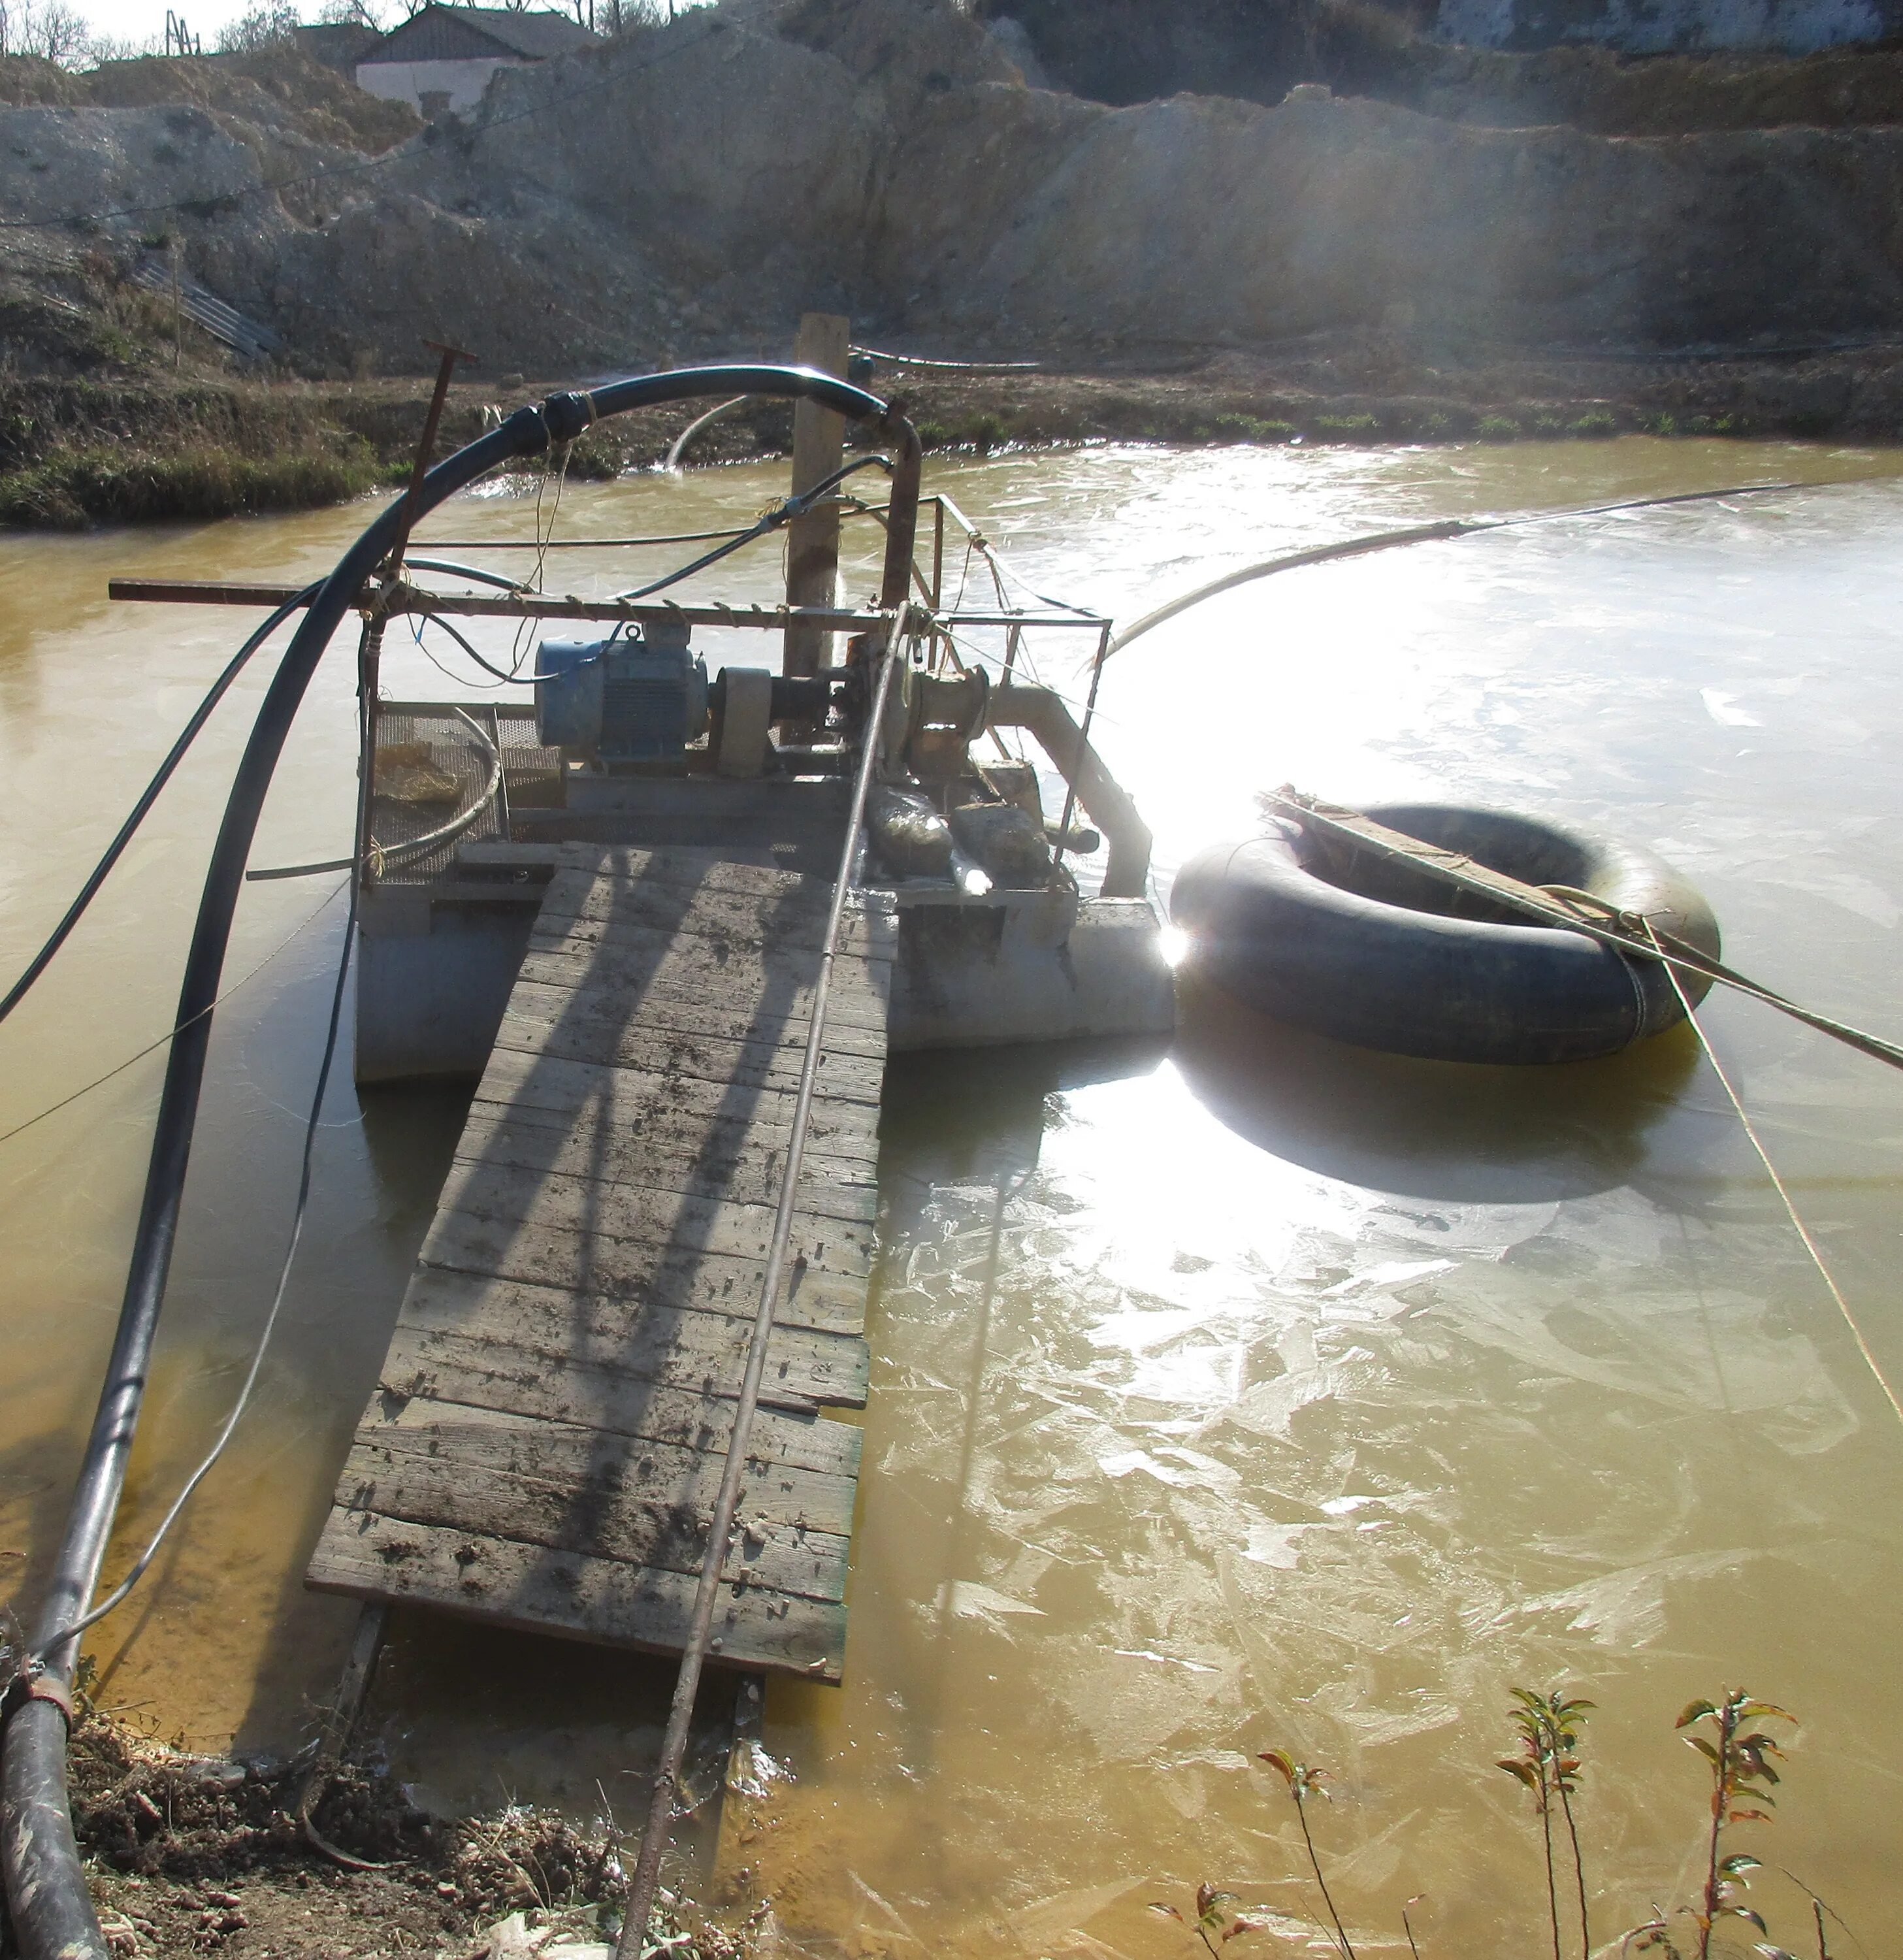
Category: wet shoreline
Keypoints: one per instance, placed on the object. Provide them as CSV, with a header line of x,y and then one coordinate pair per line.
x,y
84,452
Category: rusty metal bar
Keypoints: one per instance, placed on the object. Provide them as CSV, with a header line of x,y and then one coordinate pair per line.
x,y
407,599
199,592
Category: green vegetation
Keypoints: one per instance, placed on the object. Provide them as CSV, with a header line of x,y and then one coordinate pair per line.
x,y
1248,428
1596,422
1497,428
1548,1763
97,484
1547,1760
1346,427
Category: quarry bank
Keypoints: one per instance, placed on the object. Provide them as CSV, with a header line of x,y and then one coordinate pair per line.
x,y
1333,265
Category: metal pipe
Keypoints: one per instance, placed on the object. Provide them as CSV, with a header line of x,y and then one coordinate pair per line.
x,y
641,1890
412,599
1105,802
1083,745
902,513
53,1915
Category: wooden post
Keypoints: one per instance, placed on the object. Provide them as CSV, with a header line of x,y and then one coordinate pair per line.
x,y
812,542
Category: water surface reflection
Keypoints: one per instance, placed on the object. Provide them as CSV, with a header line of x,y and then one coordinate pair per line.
x,y
1259,1393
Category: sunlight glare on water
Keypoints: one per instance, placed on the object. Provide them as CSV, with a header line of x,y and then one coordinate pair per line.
x,y
1264,1394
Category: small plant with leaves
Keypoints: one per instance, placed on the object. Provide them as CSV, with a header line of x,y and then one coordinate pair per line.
x,y
1739,1756
1217,1922
1303,1783
1547,1763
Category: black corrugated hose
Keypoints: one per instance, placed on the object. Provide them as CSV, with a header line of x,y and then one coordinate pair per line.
x,y
52,1913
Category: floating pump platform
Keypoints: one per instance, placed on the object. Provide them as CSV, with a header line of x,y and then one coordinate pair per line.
x,y
548,1428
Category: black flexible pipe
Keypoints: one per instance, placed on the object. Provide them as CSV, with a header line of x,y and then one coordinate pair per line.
x,y
148,796
52,1912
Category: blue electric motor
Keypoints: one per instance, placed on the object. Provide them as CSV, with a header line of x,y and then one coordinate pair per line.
x,y
626,703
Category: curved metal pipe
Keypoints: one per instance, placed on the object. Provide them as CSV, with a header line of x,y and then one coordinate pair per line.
x,y
53,1914
1105,800
902,513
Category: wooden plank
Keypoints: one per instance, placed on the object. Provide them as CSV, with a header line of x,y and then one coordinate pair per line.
x,y
498,1192
674,868
482,1374
677,1133
686,1347
772,1492
582,908
749,1173
605,1008
724,969
599,1519
521,1081
860,998
785,910
743,1065
580,1263
546,1444
541,1591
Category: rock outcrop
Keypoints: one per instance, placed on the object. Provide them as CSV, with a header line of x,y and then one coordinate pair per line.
x,y
692,189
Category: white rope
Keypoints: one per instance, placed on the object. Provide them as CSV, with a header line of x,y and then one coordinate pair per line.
x,y
1770,1170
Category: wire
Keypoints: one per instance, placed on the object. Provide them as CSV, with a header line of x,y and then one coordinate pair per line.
x,y
98,1081
802,505
949,367
149,796
502,678
1445,528
198,1476
1778,1183
572,544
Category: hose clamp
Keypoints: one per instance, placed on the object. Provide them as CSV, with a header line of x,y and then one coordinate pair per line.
x,y
38,1685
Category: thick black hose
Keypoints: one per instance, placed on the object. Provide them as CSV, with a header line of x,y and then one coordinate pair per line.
x,y
53,1915
148,796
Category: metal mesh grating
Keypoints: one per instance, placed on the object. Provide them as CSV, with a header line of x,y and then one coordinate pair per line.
x,y
432,765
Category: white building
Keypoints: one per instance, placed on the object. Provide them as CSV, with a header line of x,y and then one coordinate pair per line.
x,y
441,59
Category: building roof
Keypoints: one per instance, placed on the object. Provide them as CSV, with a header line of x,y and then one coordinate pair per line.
x,y
339,44
440,32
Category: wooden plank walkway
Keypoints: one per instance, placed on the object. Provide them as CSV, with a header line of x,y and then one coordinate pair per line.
x,y
545,1443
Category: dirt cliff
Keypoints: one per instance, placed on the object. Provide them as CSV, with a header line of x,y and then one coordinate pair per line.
x,y
696,186
1128,51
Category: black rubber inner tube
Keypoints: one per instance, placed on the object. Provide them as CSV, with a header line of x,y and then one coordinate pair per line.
x,y
1355,946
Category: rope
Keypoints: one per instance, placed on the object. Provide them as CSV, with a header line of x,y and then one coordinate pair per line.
x,y
1803,1230
1562,906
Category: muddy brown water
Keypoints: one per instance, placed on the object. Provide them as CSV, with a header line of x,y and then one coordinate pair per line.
x,y
1257,1394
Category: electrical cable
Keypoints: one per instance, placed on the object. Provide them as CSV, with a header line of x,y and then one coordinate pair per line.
x,y
152,1048
497,578
1445,528
148,796
53,1915
120,1591
781,514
